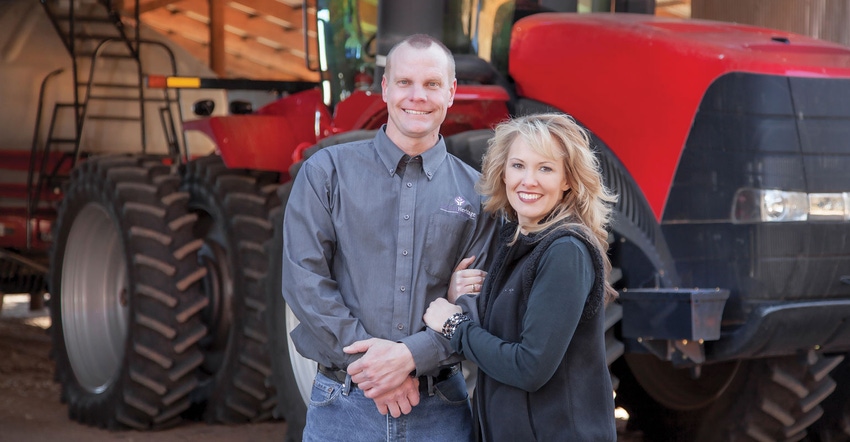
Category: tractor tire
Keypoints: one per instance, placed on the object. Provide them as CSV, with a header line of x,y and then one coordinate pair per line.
x,y
772,399
835,424
292,374
125,295
470,146
233,207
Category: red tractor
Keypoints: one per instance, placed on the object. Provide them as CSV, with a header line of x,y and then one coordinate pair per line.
x,y
726,144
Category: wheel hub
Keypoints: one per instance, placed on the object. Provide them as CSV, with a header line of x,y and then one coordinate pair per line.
x,y
95,309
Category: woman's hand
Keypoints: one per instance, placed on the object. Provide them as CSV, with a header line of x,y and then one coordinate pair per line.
x,y
465,281
438,312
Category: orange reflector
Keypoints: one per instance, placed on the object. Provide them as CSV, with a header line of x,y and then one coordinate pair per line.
x,y
156,81
183,82
162,82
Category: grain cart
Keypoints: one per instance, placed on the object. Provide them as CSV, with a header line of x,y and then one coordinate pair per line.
x,y
726,144
85,158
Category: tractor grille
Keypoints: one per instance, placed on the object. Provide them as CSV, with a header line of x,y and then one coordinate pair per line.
x,y
763,132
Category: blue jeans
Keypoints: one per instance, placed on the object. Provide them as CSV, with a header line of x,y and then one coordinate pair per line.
x,y
442,415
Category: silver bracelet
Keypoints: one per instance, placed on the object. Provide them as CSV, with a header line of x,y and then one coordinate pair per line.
x,y
451,324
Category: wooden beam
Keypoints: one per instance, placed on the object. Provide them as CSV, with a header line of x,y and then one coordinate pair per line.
x,y
236,67
277,9
253,26
129,5
216,27
265,55
235,45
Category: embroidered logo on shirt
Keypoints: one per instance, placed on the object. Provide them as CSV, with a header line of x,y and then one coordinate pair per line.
x,y
460,206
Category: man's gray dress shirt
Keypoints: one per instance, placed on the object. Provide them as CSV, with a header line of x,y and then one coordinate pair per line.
x,y
371,239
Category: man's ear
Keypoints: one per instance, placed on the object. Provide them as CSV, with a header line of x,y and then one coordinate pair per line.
x,y
384,88
452,92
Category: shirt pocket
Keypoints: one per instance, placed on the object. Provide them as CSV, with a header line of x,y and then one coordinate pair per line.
x,y
443,240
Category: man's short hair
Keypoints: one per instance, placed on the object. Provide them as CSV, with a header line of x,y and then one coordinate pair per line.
x,y
422,41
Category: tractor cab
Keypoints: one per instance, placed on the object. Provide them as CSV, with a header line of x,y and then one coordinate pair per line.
x,y
347,44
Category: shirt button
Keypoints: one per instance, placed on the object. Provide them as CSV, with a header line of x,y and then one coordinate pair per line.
x,y
404,252
409,184
402,288
400,326
406,216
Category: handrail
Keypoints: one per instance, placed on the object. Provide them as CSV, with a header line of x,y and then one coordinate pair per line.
x,y
34,196
169,102
82,117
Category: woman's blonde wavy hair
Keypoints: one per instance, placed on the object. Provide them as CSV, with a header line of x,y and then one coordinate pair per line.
x,y
585,206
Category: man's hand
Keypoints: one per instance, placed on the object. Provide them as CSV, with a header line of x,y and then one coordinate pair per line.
x,y
384,367
401,400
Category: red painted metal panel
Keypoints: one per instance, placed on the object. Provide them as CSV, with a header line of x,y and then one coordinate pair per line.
x,y
13,234
305,111
19,191
636,80
475,107
20,160
13,214
362,110
261,142
267,140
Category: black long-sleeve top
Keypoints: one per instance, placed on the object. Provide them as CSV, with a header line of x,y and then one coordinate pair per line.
x,y
543,372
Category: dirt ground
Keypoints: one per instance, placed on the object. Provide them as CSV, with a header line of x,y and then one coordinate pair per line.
x,y
30,409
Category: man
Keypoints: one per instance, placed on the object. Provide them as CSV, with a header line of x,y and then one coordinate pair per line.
x,y
372,232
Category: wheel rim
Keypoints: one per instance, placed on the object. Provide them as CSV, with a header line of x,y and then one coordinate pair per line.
x,y
676,388
218,287
94,299
303,369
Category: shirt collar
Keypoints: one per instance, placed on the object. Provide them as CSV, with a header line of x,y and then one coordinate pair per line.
x,y
390,154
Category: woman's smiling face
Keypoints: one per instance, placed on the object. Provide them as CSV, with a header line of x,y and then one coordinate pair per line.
x,y
534,183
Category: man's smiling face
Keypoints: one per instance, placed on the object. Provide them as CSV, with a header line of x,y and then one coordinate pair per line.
x,y
418,91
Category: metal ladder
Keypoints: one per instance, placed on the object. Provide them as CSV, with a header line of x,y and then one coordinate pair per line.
x,y
91,31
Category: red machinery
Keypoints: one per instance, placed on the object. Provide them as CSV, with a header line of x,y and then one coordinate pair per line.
x,y
726,144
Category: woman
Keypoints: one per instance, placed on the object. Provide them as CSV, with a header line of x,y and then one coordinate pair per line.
x,y
536,330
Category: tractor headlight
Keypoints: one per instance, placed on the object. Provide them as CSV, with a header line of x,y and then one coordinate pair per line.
x,y
829,206
768,205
